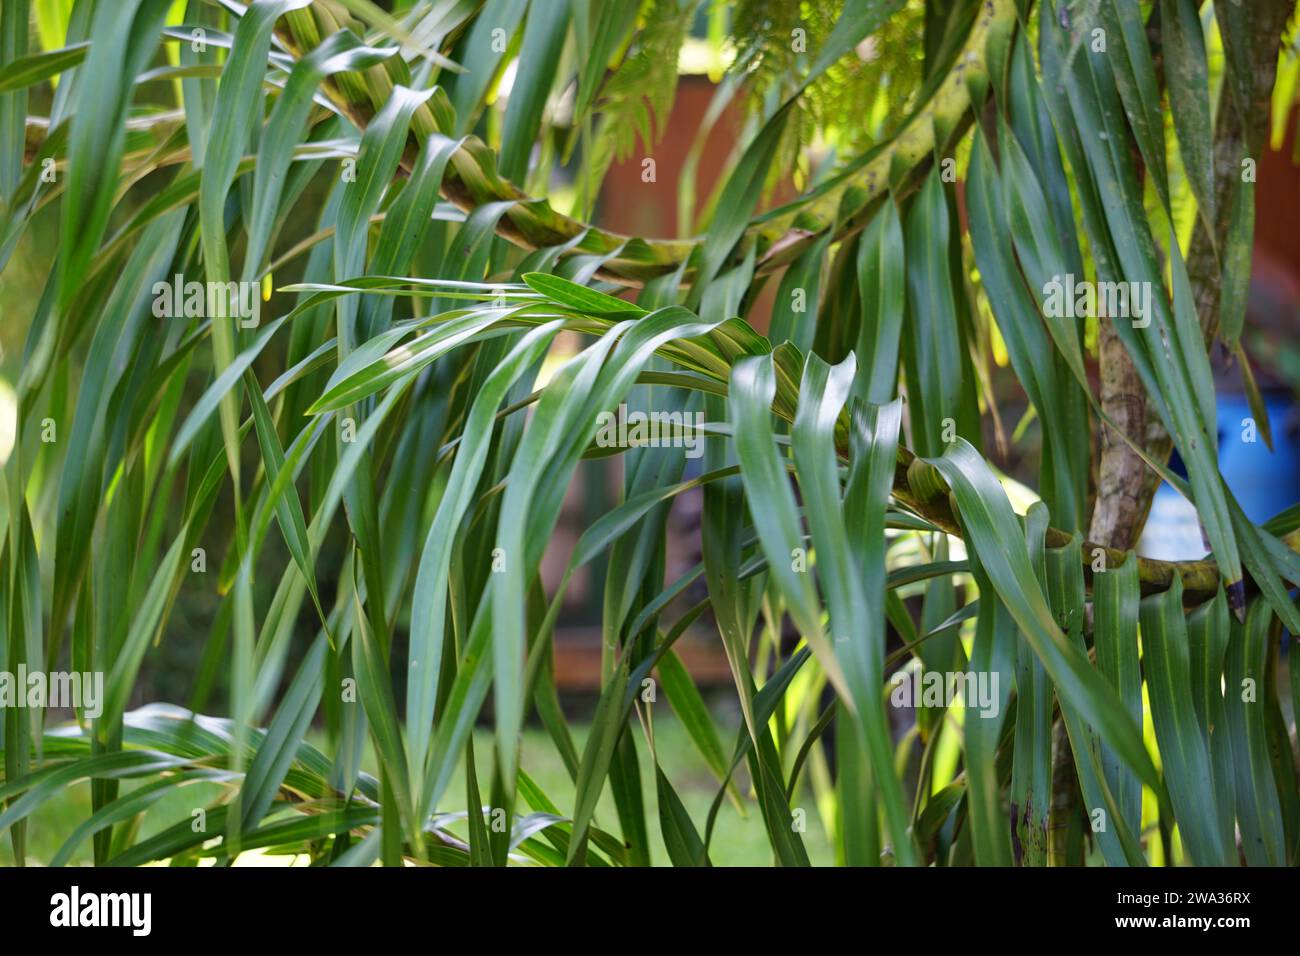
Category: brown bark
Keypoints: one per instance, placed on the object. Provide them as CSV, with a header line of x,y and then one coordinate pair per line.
x,y
1122,501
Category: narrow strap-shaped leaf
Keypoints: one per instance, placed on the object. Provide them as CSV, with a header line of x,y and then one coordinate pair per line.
x,y
428,609
131,805
29,792
987,515
22,71
406,227
737,200
681,838
285,502
607,725
1065,591
284,129
1235,290
544,33
585,300
629,803
1188,82
882,291
483,54
1135,77
1116,597
858,829
376,694
561,427
124,37
932,337
381,149
1031,768
1022,329
1259,814
1184,753
794,313
691,710
19,71
772,505
598,38
854,616
734,599
1207,643
219,390
277,750
123,322
993,658
238,97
